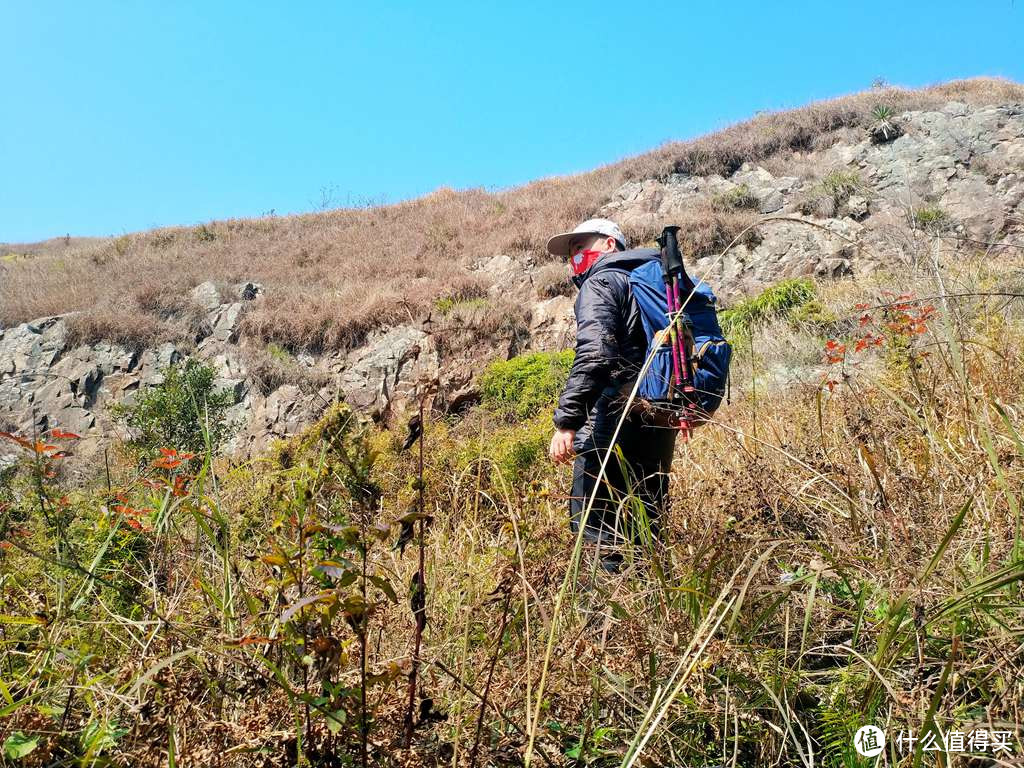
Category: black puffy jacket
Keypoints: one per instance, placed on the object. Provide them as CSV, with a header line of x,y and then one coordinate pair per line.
x,y
610,340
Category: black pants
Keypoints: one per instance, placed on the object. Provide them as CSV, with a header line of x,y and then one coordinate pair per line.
x,y
633,495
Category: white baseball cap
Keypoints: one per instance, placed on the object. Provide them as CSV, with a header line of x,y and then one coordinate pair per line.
x,y
559,244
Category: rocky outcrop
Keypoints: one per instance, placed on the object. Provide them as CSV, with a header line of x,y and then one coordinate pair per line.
x,y
829,215
46,383
966,163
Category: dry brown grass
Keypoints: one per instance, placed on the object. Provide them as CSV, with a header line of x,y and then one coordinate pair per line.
x,y
55,245
270,366
706,229
553,280
331,277
830,519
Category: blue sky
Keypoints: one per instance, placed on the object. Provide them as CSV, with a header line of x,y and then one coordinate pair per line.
x,y
120,116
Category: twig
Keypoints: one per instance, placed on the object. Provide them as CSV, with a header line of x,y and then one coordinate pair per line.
x,y
419,596
508,720
490,677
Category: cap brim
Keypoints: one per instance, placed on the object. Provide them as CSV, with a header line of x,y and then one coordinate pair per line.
x,y
559,244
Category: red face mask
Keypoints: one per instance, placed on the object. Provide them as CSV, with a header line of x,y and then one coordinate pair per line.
x,y
583,261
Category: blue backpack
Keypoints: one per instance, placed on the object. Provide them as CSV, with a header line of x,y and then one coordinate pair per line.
x,y
711,352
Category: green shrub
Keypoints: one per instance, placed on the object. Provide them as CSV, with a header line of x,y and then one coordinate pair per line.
x,y
840,184
931,218
778,301
279,354
813,316
520,387
177,412
883,126
736,198
447,304
519,453
827,197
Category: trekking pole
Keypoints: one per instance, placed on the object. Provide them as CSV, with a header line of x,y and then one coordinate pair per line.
x,y
675,274
671,303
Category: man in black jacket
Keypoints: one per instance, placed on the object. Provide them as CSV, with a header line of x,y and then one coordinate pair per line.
x,y
610,351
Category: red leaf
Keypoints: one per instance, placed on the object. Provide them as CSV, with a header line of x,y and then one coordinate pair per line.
x,y
253,640
58,434
179,488
19,440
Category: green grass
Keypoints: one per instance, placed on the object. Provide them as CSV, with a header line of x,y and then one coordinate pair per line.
x,y
735,199
519,388
447,304
792,298
931,218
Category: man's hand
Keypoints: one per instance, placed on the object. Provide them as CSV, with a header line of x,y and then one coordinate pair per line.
x,y
561,445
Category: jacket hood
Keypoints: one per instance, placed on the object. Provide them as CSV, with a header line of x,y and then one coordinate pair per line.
x,y
628,260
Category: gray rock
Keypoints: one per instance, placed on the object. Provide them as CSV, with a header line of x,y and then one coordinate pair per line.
x,y
113,357
383,375
975,205
771,201
237,387
206,295
552,323
225,327
857,207
71,419
833,267
33,346
155,361
508,274
956,109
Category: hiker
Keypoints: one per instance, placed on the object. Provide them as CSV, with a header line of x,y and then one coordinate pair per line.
x,y
610,349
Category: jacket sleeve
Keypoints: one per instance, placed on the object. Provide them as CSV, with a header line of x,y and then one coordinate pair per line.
x,y
597,350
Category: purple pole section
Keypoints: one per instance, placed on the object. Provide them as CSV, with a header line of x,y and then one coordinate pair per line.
x,y
680,334
672,336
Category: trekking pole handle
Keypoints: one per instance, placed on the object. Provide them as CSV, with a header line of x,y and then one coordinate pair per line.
x,y
672,257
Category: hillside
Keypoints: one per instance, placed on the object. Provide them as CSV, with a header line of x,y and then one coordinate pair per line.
x,y
291,573
338,301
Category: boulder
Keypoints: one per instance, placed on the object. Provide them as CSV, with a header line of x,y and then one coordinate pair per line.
x,y
858,208
975,205
155,361
552,323
206,296
225,325
384,374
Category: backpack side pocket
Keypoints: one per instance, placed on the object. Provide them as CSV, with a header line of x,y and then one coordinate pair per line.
x,y
711,373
